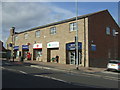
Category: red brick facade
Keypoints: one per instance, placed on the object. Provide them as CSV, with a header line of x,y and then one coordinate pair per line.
x,y
105,44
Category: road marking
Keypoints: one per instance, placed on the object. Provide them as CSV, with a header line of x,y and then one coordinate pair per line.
x,y
51,78
8,63
22,72
15,70
111,72
69,82
73,73
2,67
42,67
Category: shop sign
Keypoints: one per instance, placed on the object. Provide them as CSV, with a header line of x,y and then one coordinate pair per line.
x,y
16,47
37,46
71,46
93,47
25,47
53,45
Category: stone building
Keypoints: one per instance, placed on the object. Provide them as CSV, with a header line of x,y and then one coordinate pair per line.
x,y
98,40
2,50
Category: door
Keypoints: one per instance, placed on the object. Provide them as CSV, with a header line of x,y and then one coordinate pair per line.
x,y
25,53
72,57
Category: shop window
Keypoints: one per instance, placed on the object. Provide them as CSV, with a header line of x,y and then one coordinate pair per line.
x,y
53,30
108,30
73,26
37,33
26,36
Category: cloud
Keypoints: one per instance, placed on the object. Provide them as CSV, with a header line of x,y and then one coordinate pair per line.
x,y
26,15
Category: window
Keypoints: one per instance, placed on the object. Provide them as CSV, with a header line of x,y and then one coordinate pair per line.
x,y
108,30
37,33
26,36
16,38
73,26
114,32
53,30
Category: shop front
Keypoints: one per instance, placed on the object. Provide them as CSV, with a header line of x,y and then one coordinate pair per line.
x,y
52,51
37,51
70,53
16,51
25,50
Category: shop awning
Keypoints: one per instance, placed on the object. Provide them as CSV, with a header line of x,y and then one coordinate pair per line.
x,y
53,45
16,47
37,46
25,47
71,46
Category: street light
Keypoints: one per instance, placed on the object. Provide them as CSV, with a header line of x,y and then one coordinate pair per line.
x,y
76,37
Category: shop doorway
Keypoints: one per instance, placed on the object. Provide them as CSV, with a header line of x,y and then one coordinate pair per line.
x,y
51,54
72,57
24,53
37,53
15,54
71,53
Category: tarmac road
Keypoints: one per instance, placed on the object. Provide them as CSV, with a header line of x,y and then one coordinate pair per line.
x,y
32,77
19,80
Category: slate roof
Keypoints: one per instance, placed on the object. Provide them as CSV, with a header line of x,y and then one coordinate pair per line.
x,y
63,21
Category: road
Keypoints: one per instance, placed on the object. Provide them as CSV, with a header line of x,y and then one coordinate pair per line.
x,y
24,76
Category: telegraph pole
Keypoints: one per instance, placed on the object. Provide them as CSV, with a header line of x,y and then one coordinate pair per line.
x,y
76,37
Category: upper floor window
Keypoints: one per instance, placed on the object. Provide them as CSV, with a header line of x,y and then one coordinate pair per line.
x,y
16,38
37,33
26,36
53,30
114,32
73,26
108,30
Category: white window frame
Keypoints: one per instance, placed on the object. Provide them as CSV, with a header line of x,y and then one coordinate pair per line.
x,y
108,30
37,33
73,26
53,30
16,38
26,35
114,32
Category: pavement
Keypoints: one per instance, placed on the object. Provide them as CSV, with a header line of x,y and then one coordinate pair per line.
x,y
58,66
63,67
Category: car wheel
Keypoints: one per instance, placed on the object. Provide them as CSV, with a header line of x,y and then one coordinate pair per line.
x,y
108,70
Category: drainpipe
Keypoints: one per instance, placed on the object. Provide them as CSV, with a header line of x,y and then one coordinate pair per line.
x,y
13,42
84,43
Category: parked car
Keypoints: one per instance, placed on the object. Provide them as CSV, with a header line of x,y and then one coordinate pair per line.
x,y
113,65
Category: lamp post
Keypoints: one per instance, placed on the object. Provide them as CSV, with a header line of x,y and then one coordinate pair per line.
x,y
76,37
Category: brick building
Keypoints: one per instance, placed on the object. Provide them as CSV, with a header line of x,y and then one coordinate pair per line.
x,y
2,50
98,37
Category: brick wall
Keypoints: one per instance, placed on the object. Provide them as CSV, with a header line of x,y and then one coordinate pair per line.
x,y
104,43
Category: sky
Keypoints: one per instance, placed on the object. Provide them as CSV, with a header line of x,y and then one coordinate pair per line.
x,y
26,15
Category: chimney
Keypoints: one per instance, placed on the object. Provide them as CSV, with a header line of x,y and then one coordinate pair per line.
x,y
12,31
